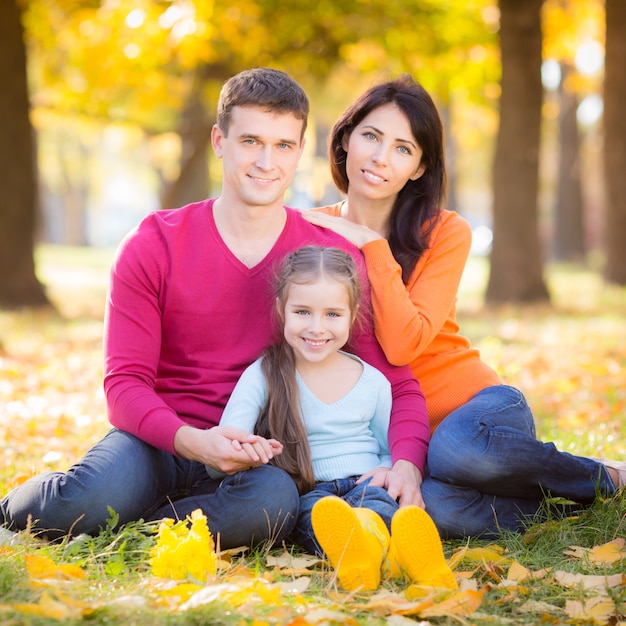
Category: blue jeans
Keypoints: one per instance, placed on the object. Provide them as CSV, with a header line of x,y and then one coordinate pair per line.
x,y
139,481
374,498
487,471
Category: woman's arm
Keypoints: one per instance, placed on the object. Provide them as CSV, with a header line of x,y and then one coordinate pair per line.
x,y
408,317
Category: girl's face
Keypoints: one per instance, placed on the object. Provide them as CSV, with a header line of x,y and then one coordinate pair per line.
x,y
317,319
382,155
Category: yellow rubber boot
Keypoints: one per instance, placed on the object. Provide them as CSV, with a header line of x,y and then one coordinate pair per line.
x,y
417,550
354,539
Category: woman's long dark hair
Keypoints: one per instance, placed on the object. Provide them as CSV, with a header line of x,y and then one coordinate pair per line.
x,y
420,201
281,417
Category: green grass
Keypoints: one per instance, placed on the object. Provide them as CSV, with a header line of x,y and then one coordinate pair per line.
x,y
568,358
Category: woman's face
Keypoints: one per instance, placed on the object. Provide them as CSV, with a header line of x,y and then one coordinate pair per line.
x,y
382,155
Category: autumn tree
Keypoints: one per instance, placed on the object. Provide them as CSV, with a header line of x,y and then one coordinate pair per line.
x,y
18,283
516,272
615,141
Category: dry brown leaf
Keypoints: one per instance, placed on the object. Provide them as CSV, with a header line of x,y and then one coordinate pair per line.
x,y
534,606
568,579
287,560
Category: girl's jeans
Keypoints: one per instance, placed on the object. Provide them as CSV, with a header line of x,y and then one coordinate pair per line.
x,y
487,472
136,480
374,498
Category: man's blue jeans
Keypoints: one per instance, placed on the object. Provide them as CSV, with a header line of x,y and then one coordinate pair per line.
x,y
487,471
139,481
374,498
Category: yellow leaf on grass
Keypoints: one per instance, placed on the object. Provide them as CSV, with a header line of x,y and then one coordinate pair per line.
x,y
42,568
608,553
461,603
489,554
58,609
518,572
598,610
604,554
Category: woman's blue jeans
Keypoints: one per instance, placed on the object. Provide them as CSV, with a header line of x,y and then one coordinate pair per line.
x,y
374,498
138,481
487,472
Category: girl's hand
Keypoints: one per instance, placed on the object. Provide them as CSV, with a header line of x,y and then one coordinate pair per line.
x,y
402,482
226,449
261,451
354,233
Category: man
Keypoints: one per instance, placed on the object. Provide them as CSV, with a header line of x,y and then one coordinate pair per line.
x,y
189,308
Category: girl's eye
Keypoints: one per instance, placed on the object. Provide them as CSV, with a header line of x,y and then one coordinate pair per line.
x,y
301,312
404,150
370,136
333,314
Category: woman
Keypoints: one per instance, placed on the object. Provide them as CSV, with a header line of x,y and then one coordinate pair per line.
x,y
486,470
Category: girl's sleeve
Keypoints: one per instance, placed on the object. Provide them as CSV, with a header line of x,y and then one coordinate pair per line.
x,y
380,419
247,400
244,405
408,317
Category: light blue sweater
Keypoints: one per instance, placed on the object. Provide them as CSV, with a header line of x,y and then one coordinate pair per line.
x,y
347,437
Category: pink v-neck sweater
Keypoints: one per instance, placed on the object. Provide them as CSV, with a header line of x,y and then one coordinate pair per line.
x,y
185,317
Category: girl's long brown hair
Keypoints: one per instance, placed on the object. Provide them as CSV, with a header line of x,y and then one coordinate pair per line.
x,y
281,417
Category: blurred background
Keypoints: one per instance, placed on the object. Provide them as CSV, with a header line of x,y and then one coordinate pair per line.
x,y
106,109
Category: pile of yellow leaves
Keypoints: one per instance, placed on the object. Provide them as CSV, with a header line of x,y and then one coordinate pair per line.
x,y
184,550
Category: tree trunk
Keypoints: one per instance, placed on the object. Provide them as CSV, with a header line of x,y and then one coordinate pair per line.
x,y
18,284
516,273
615,142
192,184
569,235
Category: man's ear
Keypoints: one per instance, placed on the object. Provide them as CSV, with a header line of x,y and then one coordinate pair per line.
x,y
216,140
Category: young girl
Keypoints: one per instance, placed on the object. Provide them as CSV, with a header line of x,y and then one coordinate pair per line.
x,y
486,470
324,414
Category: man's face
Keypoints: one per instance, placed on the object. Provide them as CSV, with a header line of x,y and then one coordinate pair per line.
x,y
260,155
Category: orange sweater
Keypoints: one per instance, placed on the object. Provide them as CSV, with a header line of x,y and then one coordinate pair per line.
x,y
416,323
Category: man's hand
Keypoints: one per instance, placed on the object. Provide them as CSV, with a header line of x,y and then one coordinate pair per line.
x,y
225,448
402,482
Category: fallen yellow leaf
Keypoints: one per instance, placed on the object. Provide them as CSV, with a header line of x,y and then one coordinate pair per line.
x,y
42,568
461,603
58,609
518,572
598,610
604,554
488,554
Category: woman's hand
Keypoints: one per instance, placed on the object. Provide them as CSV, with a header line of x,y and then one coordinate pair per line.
x,y
402,482
355,233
